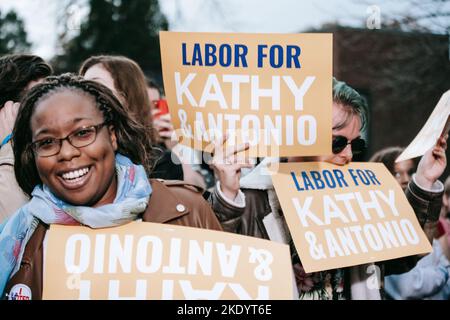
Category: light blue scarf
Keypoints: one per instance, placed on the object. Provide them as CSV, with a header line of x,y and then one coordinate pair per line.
x,y
133,193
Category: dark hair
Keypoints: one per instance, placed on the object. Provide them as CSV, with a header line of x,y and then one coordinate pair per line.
x,y
129,80
17,71
352,102
387,156
131,135
152,84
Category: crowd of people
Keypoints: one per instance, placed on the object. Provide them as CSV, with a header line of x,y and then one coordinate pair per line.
x,y
94,149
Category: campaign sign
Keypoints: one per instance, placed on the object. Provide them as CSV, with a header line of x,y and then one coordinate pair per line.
x,y
273,91
342,216
142,260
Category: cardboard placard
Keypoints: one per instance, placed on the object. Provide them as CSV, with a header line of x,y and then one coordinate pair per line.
x,y
436,126
271,90
143,260
342,216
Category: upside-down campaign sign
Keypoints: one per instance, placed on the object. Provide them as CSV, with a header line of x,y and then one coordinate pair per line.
x,y
342,216
143,260
273,91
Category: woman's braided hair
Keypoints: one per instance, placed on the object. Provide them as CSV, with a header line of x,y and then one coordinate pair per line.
x,y
133,139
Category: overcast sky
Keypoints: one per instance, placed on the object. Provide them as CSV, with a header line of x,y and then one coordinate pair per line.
x,y
209,15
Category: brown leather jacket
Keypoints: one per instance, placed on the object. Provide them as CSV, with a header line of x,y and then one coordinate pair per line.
x,y
171,202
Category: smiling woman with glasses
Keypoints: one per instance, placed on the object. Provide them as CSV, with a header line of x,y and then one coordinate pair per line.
x,y
84,161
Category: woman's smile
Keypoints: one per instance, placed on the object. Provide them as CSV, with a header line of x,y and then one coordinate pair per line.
x,y
76,179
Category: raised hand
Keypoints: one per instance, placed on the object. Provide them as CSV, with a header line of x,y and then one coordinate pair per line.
x,y
8,116
227,163
432,164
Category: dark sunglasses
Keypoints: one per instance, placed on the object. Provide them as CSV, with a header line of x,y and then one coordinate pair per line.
x,y
340,142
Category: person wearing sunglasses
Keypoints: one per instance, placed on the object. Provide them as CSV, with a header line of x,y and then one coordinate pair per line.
x,y
249,205
358,145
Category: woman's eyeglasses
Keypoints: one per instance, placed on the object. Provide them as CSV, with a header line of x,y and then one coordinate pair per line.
x,y
340,143
82,137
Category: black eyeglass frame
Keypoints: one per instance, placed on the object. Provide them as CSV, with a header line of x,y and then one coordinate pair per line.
x,y
35,144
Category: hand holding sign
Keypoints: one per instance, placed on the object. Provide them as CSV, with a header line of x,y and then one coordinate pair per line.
x,y
227,164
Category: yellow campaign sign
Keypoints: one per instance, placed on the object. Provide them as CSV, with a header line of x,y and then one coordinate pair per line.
x,y
342,216
273,91
142,260
436,126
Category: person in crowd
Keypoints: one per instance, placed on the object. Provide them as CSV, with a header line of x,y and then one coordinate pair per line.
x,y
126,79
83,160
189,158
443,228
428,279
402,171
161,118
250,206
444,220
445,210
18,74
153,91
